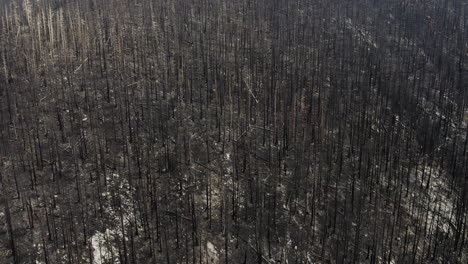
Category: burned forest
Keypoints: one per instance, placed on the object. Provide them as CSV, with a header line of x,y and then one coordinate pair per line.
x,y
233,131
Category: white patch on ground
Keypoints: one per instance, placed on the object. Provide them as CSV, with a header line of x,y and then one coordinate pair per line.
x,y
102,251
440,206
97,248
213,256
227,157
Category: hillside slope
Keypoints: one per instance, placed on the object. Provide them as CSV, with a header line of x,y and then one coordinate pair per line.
x,y
175,131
